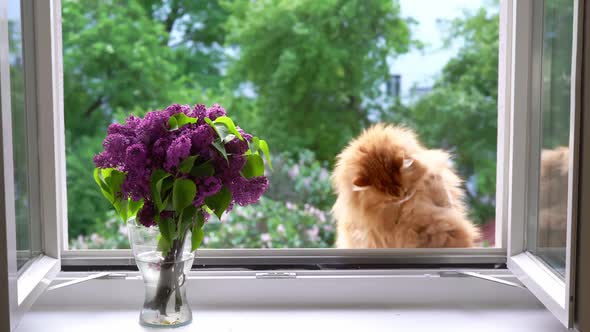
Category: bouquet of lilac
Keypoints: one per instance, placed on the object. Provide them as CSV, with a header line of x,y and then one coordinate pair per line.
x,y
176,167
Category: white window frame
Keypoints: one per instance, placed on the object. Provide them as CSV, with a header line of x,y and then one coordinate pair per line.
x,y
555,293
44,102
514,112
384,257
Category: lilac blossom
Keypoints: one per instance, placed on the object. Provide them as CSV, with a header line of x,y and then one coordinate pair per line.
x,y
178,150
139,146
215,111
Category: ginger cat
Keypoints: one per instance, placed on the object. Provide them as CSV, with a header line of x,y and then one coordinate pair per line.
x,y
394,193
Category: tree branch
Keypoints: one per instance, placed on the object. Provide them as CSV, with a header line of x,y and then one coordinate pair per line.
x,y
94,106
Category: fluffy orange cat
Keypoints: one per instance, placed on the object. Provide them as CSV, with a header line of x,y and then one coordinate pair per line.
x,y
394,193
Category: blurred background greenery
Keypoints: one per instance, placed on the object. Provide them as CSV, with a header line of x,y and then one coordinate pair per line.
x,y
306,75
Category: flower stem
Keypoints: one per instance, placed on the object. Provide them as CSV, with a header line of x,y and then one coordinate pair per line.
x,y
171,270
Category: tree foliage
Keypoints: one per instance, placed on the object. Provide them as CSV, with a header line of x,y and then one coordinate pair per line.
x,y
305,73
460,113
311,64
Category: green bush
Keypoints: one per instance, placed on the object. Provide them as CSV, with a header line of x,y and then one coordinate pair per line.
x,y
282,219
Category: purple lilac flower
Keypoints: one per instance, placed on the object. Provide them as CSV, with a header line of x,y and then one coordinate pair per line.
x,y
199,112
127,129
159,151
244,134
177,108
248,191
229,170
115,151
137,184
135,157
145,216
209,185
236,146
152,127
215,111
201,139
140,146
178,150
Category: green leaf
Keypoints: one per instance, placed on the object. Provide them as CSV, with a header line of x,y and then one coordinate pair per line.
x,y
134,207
114,181
212,216
188,214
198,234
221,148
178,120
164,245
197,238
204,169
224,127
212,125
228,138
219,202
156,180
254,166
227,122
172,123
254,144
183,194
187,164
264,148
167,229
122,208
109,180
104,188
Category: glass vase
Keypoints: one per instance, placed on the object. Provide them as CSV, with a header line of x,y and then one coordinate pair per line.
x,y
164,276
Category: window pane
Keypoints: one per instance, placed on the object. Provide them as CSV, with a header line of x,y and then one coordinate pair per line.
x,y
24,244
549,239
306,75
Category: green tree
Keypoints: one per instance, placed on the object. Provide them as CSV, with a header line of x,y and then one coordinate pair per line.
x,y
195,33
312,64
118,60
460,113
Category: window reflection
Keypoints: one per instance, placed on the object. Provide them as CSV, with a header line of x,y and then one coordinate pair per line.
x,y
549,240
19,135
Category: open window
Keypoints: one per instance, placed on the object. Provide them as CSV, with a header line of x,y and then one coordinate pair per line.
x,y
545,127
538,130
31,178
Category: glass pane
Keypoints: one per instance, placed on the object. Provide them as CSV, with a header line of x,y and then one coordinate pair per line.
x,y
25,247
306,75
549,240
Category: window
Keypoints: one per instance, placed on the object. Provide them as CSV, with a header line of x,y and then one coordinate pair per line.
x,y
27,227
541,251
318,82
538,113
546,236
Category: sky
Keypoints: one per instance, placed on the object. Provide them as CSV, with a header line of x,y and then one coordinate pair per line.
x,y
421,67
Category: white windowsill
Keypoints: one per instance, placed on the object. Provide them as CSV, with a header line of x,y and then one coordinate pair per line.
x,y
376,319
404,302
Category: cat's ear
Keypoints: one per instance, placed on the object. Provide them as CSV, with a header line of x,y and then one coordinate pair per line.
x,y
407,163
360,183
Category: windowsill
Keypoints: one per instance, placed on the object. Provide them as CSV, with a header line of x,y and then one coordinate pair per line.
x,y
376,319
405,302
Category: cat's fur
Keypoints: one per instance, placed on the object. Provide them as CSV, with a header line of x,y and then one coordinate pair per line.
x,y
394,193
553,197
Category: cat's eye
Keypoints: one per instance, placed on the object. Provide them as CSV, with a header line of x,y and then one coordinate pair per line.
x,y
407,163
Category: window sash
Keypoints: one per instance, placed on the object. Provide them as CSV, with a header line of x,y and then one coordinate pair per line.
x,y
539,278
41,37
311,258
